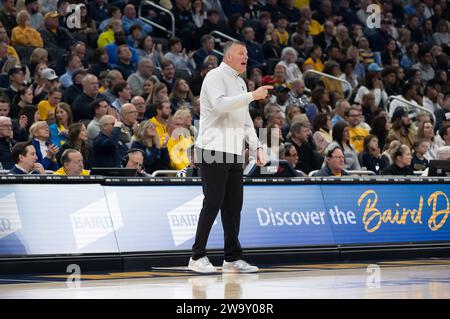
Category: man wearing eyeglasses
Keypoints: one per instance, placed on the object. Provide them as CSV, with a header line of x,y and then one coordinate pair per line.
x,y
334,165
6,142
128,116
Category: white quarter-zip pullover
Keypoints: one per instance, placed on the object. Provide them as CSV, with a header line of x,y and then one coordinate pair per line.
x,y
224,115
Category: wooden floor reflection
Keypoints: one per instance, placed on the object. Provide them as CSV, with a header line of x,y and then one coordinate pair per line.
x,y
395,280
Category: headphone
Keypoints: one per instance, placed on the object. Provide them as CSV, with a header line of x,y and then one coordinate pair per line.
x,y
126,158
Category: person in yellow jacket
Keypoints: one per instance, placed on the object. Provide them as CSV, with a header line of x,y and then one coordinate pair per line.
x,y
4,43
24,34
107,36
314,26
46,108
163,112
72,164
179,144
315,59
282,23
332,85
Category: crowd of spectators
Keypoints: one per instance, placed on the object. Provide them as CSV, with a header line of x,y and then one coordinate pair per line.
x,y
97,85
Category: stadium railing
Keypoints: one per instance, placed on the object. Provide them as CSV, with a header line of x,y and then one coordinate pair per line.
x,y
166,172
221,36
156,25
412,105
349,92
353,172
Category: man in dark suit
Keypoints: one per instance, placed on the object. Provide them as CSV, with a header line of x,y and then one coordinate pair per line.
x,y
6,142
80,106
255,53
25,159
108,150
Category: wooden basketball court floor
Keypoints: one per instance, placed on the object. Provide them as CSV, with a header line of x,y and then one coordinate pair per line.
x,y
423,279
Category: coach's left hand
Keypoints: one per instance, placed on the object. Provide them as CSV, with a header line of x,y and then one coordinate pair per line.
x,y
260,157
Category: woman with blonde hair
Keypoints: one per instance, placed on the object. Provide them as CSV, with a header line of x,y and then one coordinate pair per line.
x,y
342,37
389,151
24,34
39,55
291,111
425,131
401,162
45,152
186,115
147,140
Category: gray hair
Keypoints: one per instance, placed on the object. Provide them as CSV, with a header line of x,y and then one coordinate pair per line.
x,y
86,78
229,44
144,60
297,126
443,153
126,107
104,120
287,50
22,13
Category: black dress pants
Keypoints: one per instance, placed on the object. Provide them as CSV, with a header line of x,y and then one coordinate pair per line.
x,y
223,190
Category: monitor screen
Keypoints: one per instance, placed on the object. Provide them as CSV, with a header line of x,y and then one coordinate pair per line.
x,y
439,168
113,171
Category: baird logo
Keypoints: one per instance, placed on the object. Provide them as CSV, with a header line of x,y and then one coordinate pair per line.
x,y
183,220
97,222
9,216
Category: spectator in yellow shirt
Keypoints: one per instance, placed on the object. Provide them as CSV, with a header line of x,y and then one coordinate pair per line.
x,y
107,36
179,143
315,59
24,34
332,85
357,133
46,108
163,112
5,48
72,164
281,23
314,26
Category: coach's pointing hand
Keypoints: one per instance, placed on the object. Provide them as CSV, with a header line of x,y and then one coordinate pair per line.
x,y
261,92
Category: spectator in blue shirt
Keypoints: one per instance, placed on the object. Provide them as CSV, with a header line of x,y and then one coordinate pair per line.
x,y
129,19
120,38
73,63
